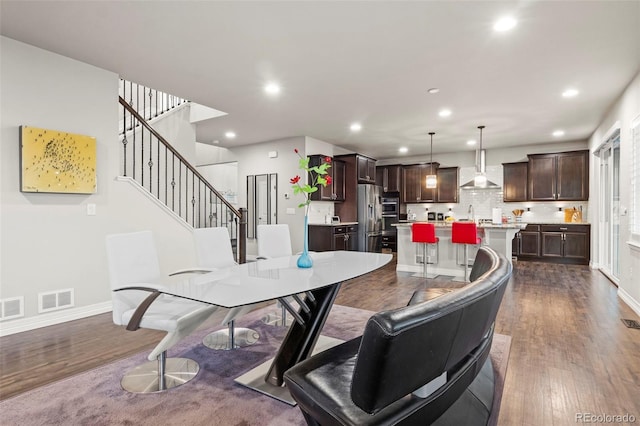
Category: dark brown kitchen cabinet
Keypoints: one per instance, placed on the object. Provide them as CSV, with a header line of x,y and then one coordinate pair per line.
x,y
338,179
566,243
560,176
515,181
333,237
526,243
415,187
447,189
334,191
348,209
366,169
389,178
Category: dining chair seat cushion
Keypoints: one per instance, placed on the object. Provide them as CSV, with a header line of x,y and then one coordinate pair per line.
x,y
164,313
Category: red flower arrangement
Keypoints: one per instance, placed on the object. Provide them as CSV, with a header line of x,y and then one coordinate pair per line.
x,y
318,175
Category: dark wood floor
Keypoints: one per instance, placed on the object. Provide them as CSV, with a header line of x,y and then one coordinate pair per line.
x,y
570,352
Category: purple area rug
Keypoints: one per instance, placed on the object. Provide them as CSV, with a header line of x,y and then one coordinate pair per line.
x,y
212,398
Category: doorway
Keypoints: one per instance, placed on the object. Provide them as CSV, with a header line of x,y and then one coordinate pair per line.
x,y
609,201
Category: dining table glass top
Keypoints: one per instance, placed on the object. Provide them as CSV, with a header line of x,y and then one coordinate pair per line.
x,y
270,279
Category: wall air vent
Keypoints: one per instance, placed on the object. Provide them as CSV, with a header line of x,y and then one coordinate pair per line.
x,y
11,308
55,300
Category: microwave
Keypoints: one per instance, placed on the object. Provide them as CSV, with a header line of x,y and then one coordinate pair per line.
x,y
390,207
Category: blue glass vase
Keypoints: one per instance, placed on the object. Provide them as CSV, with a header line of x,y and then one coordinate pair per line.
x,y
305,261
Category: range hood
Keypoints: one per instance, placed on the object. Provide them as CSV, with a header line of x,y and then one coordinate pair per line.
x,y
480,167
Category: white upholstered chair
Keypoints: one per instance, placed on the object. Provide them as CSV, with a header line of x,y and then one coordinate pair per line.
x,y
275,241
133,262
214,251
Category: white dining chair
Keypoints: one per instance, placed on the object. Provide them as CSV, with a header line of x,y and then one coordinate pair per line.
x,y
274,240
133,262
214,251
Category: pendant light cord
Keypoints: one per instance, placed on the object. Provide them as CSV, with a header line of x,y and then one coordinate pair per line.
x,y
431,159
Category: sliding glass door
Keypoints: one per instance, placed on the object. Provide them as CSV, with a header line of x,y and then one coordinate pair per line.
x,y
609,249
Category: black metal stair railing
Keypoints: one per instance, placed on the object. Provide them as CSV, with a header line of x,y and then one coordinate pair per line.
x,y
159,168
149,103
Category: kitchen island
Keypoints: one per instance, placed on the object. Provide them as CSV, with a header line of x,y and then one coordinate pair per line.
x,y
448,258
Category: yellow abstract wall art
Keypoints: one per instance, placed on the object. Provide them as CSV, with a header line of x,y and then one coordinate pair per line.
x,y
56,161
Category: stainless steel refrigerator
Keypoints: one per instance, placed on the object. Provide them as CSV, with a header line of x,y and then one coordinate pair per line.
x,y
369,218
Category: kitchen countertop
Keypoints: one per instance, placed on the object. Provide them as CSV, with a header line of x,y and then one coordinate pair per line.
x,y
443,224
334,224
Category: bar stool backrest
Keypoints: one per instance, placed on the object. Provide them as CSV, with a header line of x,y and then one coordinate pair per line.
x,y
464,233
423,233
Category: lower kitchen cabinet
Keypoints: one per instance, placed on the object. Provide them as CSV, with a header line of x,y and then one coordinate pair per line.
x,y
570,243
333,237
390,242
559,243
526,243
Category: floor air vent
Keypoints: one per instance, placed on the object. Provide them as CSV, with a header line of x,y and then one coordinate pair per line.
x,y
631,323
55,300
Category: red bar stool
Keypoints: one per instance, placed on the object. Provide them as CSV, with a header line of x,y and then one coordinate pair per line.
x,y
465,233
424,233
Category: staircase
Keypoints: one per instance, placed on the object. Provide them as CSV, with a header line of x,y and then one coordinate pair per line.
x,y
151,161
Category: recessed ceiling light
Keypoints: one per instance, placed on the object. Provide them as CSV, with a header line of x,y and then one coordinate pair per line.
x,y
272,88
444,113
356,127
403,149
504,24
471,142
230,135
558,133
570,93
433,90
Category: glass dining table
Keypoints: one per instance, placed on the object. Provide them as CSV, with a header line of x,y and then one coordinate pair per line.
x,y
275,279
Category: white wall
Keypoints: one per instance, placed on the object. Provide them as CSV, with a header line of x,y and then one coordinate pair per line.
x,y
624,111
176,128
48,241
254,160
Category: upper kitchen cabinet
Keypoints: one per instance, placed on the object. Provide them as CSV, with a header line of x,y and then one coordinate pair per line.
x,y
389,178
515,181
447,189
561,176
414,186
355,169
366,169
338,183
335,191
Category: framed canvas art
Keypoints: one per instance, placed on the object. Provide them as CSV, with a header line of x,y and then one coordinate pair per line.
x,y
56,161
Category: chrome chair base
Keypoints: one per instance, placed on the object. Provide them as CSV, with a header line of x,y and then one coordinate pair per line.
x,y
220,340
276,320
146,378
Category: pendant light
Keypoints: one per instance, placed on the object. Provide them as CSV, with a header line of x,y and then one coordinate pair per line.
x,y
480,179
432,179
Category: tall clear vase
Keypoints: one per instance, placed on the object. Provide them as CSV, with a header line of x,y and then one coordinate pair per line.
x,y
305,261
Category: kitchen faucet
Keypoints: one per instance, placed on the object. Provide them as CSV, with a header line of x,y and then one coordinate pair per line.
x,y
471,212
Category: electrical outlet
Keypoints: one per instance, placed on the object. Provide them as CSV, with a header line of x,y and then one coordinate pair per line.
x,y
91,209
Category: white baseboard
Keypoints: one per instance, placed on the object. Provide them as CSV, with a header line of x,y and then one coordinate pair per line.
x,y
626,298
52,318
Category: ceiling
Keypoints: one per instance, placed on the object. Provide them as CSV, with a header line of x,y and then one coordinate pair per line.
x,y
367,62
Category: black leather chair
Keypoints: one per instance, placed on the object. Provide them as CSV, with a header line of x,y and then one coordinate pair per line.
x,y
418,365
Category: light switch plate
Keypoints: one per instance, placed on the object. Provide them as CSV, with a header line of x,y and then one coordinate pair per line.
x,y
291,210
